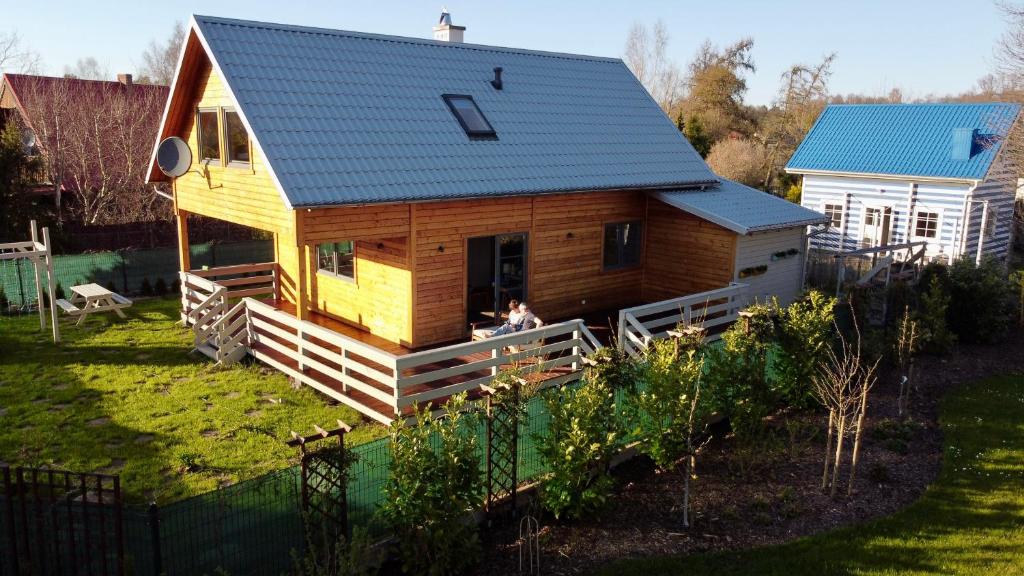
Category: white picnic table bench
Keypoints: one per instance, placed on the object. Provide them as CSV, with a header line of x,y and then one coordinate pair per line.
x,y
91,298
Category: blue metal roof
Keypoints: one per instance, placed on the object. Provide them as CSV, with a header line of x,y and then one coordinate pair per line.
x,y
350,118
925,140
740,208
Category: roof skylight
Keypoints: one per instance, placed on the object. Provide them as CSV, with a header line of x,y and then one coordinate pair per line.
x,y
469,116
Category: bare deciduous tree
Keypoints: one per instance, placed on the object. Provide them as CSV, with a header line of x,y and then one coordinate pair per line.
x,y
906,346
15,57
96,139
741,160
646,56
87,68
161,58
842,387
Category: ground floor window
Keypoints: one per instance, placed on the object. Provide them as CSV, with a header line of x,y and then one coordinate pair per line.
x,y
337,259
622,242
926,225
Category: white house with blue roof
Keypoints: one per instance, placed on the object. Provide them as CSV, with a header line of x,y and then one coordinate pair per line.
x,y
891,174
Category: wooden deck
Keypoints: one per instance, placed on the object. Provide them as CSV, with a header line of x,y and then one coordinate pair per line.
x,y
389,387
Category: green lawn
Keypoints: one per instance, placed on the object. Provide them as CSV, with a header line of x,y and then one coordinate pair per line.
x,y
125,396
971,521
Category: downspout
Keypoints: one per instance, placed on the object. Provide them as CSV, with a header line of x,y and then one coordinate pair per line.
x,y
911,198
981,232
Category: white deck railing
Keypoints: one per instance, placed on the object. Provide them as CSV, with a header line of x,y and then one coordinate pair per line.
x,y
714,310
377,383
241,281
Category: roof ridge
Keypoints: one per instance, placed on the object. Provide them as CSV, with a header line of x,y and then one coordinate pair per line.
x,y
917,104
400,39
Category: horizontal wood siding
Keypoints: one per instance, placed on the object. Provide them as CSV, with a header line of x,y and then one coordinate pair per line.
x,y
567,277
685,254
442,229
243,195
782,279
945,199
378,300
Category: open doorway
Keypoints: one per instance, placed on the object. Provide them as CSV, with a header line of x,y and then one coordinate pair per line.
x,y
495,273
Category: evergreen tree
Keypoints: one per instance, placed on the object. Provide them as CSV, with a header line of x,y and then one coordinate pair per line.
x,y
694,132
16,171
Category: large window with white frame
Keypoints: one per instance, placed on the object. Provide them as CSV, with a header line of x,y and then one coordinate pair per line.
x,y
926,224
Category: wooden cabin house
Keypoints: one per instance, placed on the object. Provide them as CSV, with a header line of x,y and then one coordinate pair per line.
x,y
413,186
897,174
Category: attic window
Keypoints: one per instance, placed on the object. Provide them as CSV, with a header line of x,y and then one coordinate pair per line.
x,y
469,116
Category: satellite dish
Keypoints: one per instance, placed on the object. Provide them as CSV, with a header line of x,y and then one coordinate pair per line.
x,y
173,157
28,142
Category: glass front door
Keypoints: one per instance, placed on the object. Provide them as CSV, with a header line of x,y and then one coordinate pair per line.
x,y
496,274
877,223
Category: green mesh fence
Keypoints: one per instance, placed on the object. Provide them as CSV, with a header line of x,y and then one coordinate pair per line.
x,y
125,270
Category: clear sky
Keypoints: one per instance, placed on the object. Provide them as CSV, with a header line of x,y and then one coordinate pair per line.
x,y
919,46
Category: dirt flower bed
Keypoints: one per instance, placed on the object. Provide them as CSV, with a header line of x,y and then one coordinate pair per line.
x,y
769,492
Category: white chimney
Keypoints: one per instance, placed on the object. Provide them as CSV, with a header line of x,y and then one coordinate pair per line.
x,y
445,32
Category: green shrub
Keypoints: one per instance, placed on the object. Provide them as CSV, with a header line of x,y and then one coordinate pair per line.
x,y
146,289
936,337
4,303
435,481
981,300
737,371
356,556
578,446
160,287
111,286
670,374
805,330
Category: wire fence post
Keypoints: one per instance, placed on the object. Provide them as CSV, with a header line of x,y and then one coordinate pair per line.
x,y
154,535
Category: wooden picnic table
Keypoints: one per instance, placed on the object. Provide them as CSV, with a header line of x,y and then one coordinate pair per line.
x,y
91,298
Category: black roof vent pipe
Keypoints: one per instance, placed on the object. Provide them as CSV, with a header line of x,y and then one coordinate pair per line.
x,y
497,78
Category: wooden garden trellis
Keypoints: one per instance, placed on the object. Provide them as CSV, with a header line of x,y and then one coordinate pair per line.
x,y
502,445
324,471
40,254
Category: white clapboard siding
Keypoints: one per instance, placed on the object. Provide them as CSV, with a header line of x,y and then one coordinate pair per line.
x,y
947,199
782,279
998,191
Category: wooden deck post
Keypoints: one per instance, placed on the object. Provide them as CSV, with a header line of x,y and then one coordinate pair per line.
x,y
301,295
184,255
35,270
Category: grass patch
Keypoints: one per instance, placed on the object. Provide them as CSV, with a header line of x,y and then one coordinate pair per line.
x,y
971,521
124,396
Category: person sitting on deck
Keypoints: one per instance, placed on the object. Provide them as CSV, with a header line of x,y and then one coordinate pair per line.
x,y
511,322
521,319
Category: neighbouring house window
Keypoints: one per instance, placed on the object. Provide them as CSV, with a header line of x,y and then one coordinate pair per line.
x,y
336,258
991,222
926,225
469,116
835,215
622,245
209,135
236,137
871,216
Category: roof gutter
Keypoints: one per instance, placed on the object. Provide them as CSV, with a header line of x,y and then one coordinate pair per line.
x,y
700,184
972,181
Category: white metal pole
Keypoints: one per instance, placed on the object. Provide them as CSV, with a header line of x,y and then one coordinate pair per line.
x,y
52,285
981,232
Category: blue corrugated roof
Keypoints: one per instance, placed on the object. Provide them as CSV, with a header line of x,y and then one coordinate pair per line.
x,y
740,208
347,118
904,139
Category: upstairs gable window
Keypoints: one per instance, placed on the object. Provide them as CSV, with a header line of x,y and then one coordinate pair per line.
x,y
469,116
235,138
209,134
